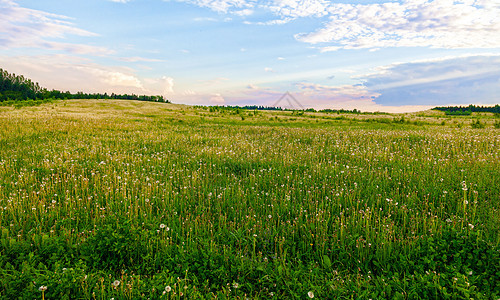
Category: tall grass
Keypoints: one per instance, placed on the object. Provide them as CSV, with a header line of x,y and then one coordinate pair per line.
x,y
104,199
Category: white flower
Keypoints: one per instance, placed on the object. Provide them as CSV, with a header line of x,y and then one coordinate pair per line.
x,y
162,226
235,285
470,273
116,283
270,216
168,288
42,288
471,226
310,294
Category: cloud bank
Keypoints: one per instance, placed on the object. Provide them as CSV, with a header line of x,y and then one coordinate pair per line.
x,y
409,23
447,81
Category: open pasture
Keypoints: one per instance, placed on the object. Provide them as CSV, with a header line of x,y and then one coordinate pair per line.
x,y
105,199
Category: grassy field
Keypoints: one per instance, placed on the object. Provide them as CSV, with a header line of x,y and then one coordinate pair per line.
x,y
104,199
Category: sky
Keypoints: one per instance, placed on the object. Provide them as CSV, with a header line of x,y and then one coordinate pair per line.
x,y
372,55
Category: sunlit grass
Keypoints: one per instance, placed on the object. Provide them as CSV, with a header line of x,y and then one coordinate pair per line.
x,y
248,204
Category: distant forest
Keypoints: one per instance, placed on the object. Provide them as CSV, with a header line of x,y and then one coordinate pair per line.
x,y
15,88
467,110
236,108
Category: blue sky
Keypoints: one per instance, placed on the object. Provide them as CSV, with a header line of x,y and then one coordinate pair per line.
x,y
371,55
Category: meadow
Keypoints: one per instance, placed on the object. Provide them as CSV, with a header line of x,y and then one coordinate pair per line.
x,y
114,199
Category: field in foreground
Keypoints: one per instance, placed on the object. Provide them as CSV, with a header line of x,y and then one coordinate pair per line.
x,y
130,200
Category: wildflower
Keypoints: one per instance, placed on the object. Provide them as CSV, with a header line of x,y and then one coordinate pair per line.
x,y
42,288
310,294
162,226
168,288
270,216
471,226
116,283
235,285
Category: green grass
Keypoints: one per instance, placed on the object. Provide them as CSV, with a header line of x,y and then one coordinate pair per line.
x,y
274,204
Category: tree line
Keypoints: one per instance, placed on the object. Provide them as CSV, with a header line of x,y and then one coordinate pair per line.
x,y
467,110
14,88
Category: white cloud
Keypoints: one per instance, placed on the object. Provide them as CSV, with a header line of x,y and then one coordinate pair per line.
x,y
114,78
329,49
222,6
24,27
168,83
243,12
299,8
412,23
217,99
270,22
